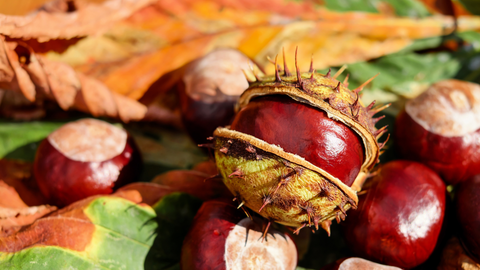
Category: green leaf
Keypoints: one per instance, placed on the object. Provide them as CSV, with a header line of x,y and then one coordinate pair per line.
x,y
471,5
175,214
407,8
164,149
122,236
19,140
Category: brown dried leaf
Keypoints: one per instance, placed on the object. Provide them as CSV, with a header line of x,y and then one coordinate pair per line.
x,y
12,219
150,193
68,227
207,167
9,197
14,213
18,175
45,24
59,82
195,183
21,80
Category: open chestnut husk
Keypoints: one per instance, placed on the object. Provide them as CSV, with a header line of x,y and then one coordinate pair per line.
x,y
299,148
223,238
84,158
441,129
467,206
400,216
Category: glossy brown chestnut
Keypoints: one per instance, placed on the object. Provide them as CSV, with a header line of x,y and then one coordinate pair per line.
x,y
221,237
355,263
399,219
209,89
306,131
441,129
467,203
84,158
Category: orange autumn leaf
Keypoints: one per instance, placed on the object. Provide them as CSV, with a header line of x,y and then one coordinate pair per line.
x,y
130,52
16,186
18,175
168,35
55,21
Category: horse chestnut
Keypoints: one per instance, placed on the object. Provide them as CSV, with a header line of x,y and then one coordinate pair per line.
x,y
400,217
208,90
468,212
324,142
84,158
299,148
441,129
222,238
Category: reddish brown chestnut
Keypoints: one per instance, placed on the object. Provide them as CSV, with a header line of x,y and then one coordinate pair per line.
x,y
221,237
467,204
305,131
84,158
441,129
398,220
209,88
355,263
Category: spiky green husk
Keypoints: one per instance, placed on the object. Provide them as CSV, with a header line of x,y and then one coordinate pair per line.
x,y
278,189
284,187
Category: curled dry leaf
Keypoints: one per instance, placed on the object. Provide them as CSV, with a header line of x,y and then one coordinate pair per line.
x,y
48,23
18,175
14,213
454,257
38,78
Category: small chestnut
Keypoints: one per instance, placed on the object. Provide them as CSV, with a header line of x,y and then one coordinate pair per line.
x,y
221,237
441,129
84,158
399,219
467,204
209,89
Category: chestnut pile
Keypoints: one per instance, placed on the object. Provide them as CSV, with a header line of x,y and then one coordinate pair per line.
x,y
300,151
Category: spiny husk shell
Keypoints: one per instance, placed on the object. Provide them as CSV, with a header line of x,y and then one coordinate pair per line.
x,y
304,196
260,175
329,95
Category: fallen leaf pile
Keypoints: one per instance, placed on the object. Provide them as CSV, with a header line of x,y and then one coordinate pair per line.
x,y
99,64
